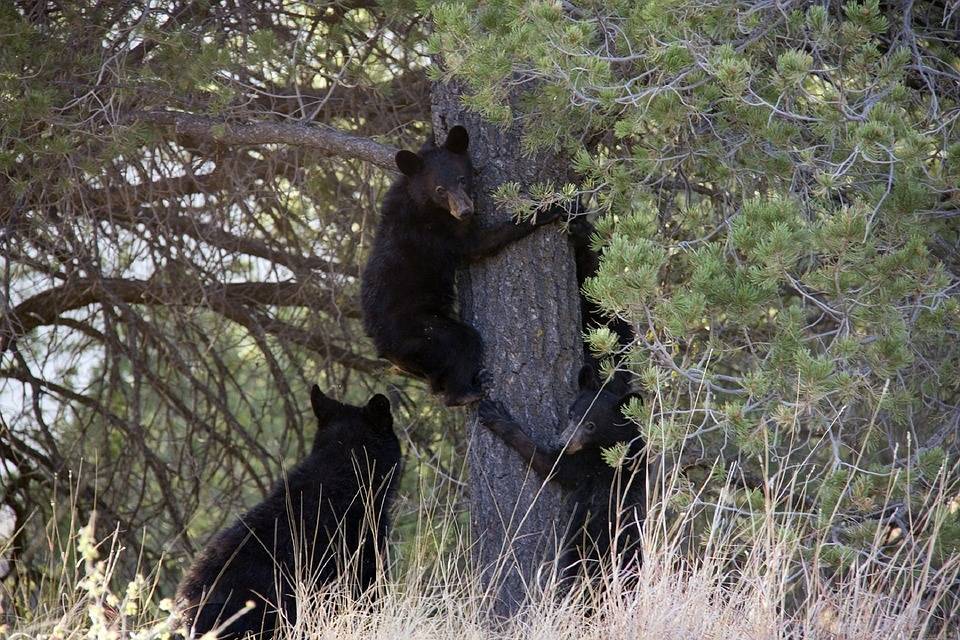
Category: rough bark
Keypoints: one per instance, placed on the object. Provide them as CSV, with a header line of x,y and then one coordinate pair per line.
x,y
524,303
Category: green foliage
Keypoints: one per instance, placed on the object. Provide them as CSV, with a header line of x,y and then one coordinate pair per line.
x,y
776,199
602,341
616,455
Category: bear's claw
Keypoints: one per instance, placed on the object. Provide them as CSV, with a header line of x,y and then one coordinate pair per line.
x,y
491,411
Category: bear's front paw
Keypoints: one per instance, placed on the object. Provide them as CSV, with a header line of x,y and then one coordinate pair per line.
x,y
553,213
483,378
492,412
571,211
580,228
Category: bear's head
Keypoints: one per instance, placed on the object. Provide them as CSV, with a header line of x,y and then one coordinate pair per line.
x,y
596,418
345,427
441,176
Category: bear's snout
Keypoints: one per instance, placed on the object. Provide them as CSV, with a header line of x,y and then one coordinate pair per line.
x,y
461,206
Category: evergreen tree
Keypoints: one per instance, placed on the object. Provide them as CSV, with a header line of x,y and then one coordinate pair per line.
x,y
776,198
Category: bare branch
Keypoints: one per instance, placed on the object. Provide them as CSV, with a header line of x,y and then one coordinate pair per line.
x,y
44,308
320,137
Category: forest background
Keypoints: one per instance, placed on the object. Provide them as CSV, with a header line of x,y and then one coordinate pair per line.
x,y
189,190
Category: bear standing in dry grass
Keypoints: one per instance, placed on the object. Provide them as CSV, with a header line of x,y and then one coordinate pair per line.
x,y
334,503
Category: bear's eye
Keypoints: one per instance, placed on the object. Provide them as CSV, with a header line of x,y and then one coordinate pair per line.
x,y
441,191
462,179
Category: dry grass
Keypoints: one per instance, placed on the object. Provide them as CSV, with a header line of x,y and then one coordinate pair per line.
x,y
764,589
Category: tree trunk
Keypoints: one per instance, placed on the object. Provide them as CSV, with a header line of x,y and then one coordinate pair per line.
x,y
524,302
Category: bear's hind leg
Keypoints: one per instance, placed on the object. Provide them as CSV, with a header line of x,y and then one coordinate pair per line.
x,y
464,372
445,352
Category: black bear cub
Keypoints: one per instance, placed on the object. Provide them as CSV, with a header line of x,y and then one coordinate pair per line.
x,y
426,231
605,500
332,504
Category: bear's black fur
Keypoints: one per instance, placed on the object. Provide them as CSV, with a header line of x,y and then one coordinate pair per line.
x,y
333,503
588,263
606,500
426,231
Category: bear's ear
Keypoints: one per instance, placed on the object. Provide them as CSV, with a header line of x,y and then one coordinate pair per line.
x,y
618,385
457,140
408,162
587,378
323,407
378,411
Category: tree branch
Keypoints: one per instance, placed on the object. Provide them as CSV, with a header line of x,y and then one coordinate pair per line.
x,y
44,308
216,236
319,342
408,97
320,137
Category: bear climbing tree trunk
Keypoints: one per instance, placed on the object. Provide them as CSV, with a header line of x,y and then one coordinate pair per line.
x,y
524,302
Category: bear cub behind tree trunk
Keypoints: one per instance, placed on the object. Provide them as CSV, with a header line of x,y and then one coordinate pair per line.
x,y
327,519
608,504
426,231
